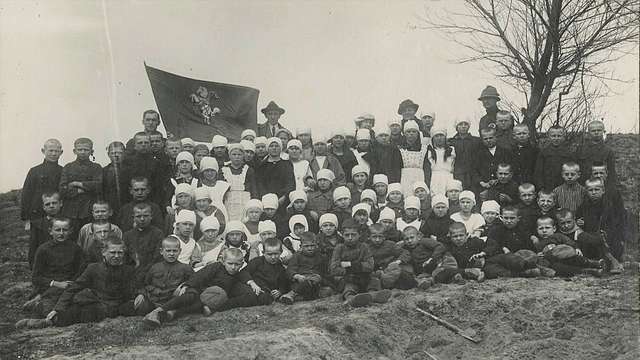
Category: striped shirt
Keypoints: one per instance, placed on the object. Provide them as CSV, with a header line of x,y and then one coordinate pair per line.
x,y
570,196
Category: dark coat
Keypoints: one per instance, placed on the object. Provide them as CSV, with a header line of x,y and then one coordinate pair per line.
x,y
548,170
40,179
275,177
485,165
77,205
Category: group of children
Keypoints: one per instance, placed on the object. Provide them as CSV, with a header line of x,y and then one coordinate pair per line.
x,y
172,227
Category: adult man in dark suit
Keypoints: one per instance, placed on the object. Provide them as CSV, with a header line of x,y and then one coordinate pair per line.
x,y
489,98
272,112
486,159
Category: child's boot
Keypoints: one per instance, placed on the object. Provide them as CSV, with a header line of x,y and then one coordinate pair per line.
x,y
614,265
32,324
288,298
475,274
381,296
152,319
425,283
593,272
457,278
531,273
546,271
359,300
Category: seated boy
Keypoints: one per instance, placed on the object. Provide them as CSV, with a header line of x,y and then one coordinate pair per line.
x,y
268,273
104,289
425,253
463,258
528,207
436,225
561,251
505,190
503,241
388,258
56,264
217,287
139,190
352,265
143,241
591,245
570,195
41,228
307,271
164,279
101,212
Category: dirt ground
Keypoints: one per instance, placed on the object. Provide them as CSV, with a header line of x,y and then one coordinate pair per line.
x,y
580,318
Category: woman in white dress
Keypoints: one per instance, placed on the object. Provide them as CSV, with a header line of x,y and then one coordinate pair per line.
x,y
415,165
442,158
301,169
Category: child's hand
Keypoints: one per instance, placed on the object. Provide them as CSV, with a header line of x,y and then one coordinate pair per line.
x,y
256,289
170,210
477,256
485,185
580,222
51,315
493,182
298,277
345,264
579,252
61,284
276,294
138,301
504,198
505,250
396,262
311,183
424,264
534,239
178,290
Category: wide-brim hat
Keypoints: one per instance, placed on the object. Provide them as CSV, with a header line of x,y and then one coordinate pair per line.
x,y
272,106
489,92
405,104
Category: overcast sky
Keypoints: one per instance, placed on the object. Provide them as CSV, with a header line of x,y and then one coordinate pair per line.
x,y
75,68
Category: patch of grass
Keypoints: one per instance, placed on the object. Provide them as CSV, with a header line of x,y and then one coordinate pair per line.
x,y
320,309
349,328
331,327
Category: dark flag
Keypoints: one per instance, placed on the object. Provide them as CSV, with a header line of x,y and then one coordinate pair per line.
x,y
201,109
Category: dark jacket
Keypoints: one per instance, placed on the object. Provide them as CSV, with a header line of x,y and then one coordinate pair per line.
x,y
275,177
143,248
465,148
268,276
55,260
163,279
513,239
438,226
524,163
359,255
77,205
115,189
425,249
548,171
386,253
485,165
40,179
215,274
301,263
463,253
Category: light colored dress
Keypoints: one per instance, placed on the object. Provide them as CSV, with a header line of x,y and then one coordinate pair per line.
x,y
301,171
412,170
238,196
441,171
473,224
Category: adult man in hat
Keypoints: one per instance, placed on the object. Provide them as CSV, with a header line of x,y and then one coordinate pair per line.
x,y
272,112
150,122
408,109
489,98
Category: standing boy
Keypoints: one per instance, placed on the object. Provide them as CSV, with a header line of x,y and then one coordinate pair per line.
x,y
548,171
43,178
570,194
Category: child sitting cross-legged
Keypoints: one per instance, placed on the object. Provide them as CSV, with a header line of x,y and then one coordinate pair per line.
x,y
352,265
219,286
163,281
390,261
562,252
307,272
268,272
425,254
463,258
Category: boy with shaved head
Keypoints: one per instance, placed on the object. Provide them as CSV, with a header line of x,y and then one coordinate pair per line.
x,y
594,150
43,178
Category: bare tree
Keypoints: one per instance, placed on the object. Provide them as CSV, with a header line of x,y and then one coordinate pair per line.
x,y
552,51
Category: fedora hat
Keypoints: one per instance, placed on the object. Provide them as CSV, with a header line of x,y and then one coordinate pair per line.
x,y
272,106
489,92
405,104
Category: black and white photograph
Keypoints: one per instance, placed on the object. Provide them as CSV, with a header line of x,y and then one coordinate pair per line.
x,y
338,179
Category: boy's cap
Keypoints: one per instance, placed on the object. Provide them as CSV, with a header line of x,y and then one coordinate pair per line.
x,y
201,193
187,141
325,174
453,184
297,195
218,141
490,205
185,216
468,195
439,199
369,194
294,143
248,145
184,188
363,134
328,218
248,132
266,225
208,163
387,214
411,125
260,140
209,223
341,192
349,224
394,187
298,219
184,155
253,204
235,146
357,169
420,185
380,178
359,207
274,139
412,202
235,225
270,201
440,131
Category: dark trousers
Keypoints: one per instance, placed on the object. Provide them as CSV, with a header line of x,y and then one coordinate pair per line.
x,y
240,295
446,275
504,265
352,284
571,266
94,312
